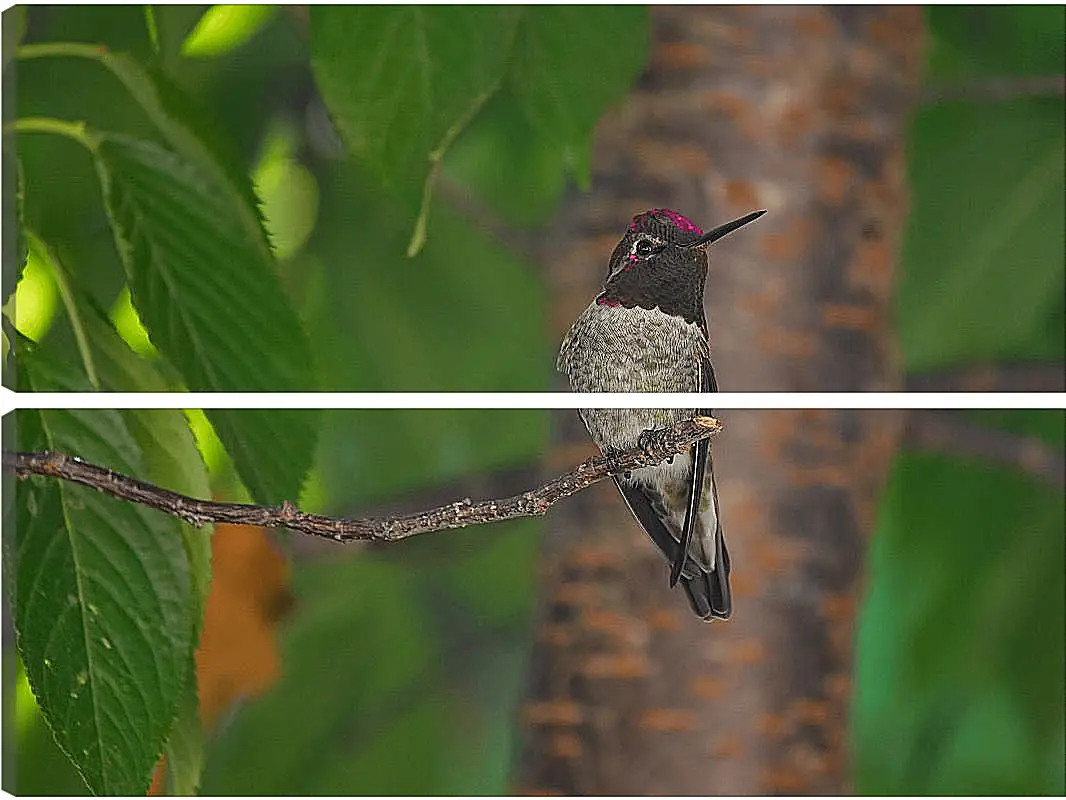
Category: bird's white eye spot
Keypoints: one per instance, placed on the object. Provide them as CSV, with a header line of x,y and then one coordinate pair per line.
x,y
645,247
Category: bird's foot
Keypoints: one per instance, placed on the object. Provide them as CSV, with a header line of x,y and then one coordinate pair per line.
x,y
651,444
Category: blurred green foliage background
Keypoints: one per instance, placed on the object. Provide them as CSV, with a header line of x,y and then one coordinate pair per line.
x,y
960,683
403,668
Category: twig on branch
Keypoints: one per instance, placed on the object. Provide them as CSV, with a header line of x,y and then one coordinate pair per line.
x,y
937,431
994,90
661,444
1020,377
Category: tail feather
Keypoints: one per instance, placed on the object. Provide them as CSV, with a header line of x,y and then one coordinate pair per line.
x,y
707,590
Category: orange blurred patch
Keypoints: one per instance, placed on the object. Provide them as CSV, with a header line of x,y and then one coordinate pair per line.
x,y
770,725
679,56
816,23
609,623
834,178
741,194
747,651
734,106
565,745
577,595
795,123
664,619
787,343
238,654
791,243
672,720
558,712
860,318
557,635
595,556
727,747
841,97
707,687
616,666
784,780
809,712
655,156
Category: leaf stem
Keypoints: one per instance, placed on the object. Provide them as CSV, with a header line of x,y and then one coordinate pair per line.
x,y
27,52
78,131
436,158
66,293
153,28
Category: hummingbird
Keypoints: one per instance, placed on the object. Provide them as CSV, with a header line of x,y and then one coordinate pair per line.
x,y
647,332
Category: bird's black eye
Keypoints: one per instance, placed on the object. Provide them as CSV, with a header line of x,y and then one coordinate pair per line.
x,y
644,247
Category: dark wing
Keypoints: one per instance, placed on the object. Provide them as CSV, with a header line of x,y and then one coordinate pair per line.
x,y
641,506
692,510
708,594
707,379
717,580
708,383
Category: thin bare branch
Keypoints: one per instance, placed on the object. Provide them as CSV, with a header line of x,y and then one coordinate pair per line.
x,y
992,377
994,90
937,431
660,445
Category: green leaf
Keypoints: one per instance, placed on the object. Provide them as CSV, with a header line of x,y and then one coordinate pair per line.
x,y
103,608
272,448
499,153
159,111
118,367
185,746
211,303
170,460
402,99
188,230
403,81
49,374
224,27
13,201
119,28
39,767
976,41
168,448
207,295
191,135
14,28
569,64
572,62
961,640
982,261
173,461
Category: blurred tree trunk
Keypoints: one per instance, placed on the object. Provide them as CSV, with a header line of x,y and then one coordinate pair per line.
x,y
802,111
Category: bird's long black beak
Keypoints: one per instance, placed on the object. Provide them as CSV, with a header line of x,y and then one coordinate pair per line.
x,y
715,234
